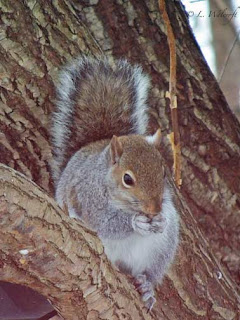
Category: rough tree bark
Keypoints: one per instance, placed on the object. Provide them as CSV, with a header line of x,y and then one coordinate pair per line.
x,y
36,38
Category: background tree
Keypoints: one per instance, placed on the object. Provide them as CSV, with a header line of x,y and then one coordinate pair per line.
x,y
65,262
227,50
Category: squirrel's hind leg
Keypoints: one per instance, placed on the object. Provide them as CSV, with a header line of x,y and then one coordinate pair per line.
x,y
146,289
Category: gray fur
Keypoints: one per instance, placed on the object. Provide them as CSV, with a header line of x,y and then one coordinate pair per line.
x,y
113,98
137,248
136,244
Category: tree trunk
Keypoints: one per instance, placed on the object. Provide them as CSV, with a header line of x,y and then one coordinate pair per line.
x,y
36,38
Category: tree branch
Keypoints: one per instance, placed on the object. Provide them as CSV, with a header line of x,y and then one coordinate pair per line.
x,y
64,260
44,249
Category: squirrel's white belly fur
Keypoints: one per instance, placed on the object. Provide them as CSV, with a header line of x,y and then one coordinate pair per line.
x,y
135,252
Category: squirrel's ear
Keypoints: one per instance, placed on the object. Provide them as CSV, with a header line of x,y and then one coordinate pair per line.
x,y
155,139
116,149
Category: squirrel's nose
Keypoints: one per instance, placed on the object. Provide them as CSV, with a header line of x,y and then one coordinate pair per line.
x,y
153,207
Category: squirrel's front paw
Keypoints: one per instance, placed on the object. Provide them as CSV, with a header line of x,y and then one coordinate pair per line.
x,y
146,226
159,223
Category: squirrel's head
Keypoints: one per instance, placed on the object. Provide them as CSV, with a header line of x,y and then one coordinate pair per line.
x,y
136,176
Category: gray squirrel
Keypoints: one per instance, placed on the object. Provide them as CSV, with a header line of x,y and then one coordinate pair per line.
x,y
108,172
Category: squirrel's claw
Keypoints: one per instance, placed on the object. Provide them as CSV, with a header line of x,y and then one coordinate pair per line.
x,y
145,288
150,303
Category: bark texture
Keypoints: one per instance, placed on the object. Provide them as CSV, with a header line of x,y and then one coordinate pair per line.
x,y
43,248
36,38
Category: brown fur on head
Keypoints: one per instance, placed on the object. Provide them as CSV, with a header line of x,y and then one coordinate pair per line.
x,y
136,177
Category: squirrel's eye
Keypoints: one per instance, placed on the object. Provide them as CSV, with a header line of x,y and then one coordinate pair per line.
x,y
128,180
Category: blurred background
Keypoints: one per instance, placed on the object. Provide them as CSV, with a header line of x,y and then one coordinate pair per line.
x,y
216,25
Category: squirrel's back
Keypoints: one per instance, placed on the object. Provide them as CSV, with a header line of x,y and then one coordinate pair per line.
x,y
94,102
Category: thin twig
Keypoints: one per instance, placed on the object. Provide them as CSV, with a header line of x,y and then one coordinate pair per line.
x,y
228,57
175,135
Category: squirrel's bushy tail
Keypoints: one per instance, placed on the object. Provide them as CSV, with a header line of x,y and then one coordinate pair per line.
x,y
96,101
